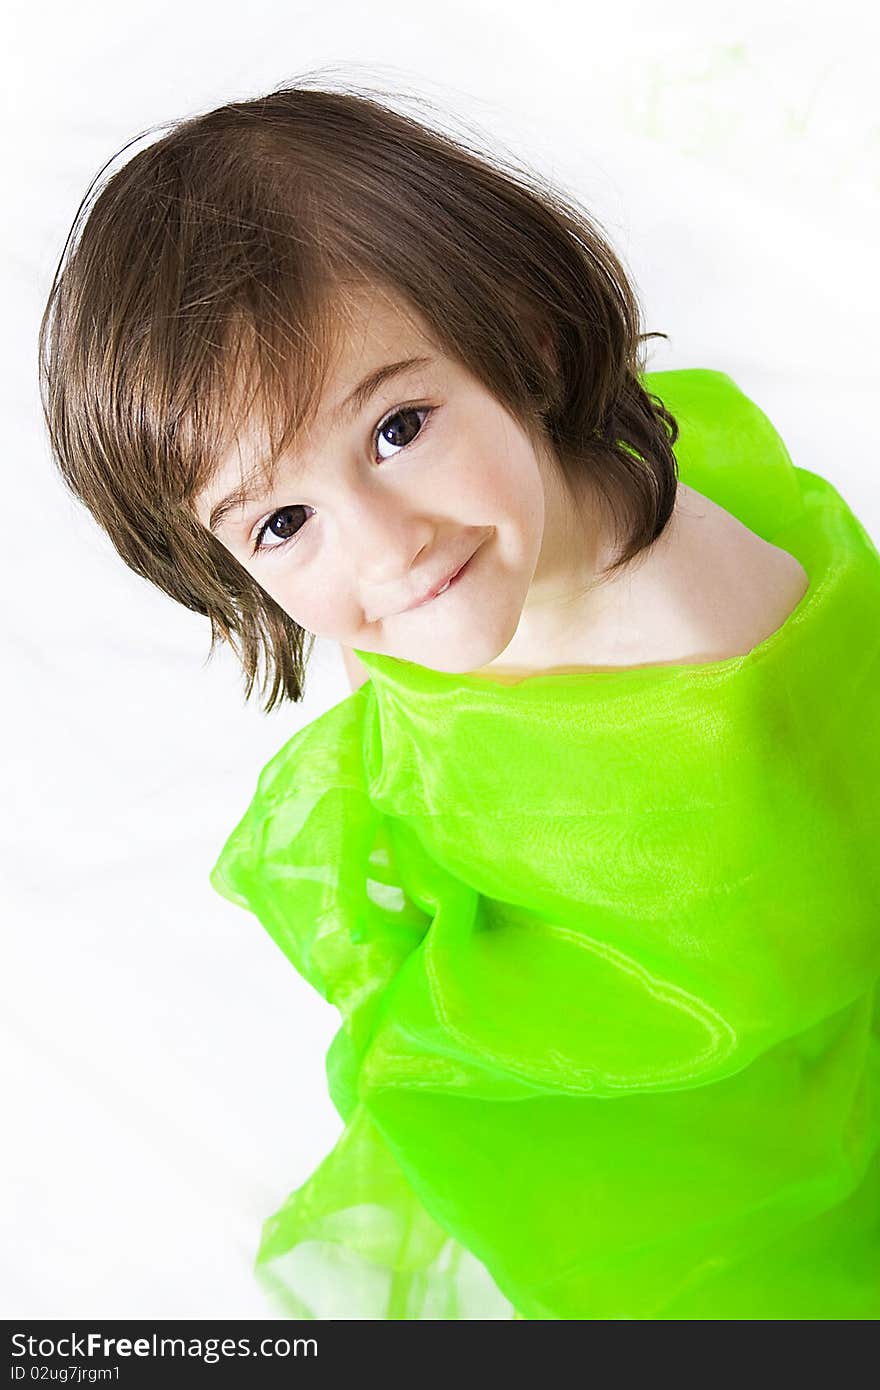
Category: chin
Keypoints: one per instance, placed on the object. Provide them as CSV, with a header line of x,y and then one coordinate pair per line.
x,y
467,656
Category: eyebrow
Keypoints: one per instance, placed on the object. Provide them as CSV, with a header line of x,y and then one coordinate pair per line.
x,y
347,409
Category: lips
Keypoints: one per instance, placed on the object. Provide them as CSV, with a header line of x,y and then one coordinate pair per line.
x,y
439,588
449,578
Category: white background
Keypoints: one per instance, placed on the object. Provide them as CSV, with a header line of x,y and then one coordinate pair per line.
x,y
163,1064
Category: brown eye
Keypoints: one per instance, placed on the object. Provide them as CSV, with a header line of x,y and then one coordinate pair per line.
x,y
401,428
284,525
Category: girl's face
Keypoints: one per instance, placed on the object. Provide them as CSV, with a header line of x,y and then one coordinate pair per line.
x,y
390,495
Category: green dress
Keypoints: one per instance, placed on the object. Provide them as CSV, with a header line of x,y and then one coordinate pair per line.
x,y
605,946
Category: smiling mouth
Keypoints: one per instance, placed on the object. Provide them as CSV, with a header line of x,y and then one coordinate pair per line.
x,y
453,579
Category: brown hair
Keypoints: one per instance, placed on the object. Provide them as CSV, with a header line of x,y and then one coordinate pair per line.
x,y
213,267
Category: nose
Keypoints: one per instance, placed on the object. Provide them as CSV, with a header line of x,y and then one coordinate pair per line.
x,y
382,539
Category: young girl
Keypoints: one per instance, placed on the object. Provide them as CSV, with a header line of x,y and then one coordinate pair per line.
x,y
587,860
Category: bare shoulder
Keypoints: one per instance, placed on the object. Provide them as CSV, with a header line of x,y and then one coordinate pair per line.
x,y
748,586
789,581
355,670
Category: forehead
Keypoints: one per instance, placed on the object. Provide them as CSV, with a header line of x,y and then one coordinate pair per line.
x,y
372,322
375,334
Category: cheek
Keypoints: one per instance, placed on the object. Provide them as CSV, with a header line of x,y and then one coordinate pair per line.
x,y
498,489
329,613
512,492
324,609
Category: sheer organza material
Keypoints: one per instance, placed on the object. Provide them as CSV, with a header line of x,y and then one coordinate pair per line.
x,y
605,948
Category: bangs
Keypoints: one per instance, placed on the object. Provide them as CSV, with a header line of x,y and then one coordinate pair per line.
x,y
259,393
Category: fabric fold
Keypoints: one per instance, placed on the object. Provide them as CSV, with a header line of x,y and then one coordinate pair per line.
x,y
315,862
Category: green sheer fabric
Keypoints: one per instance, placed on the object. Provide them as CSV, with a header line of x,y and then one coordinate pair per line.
x,y
605,947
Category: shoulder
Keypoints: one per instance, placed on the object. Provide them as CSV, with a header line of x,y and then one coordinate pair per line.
x,y
747,587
